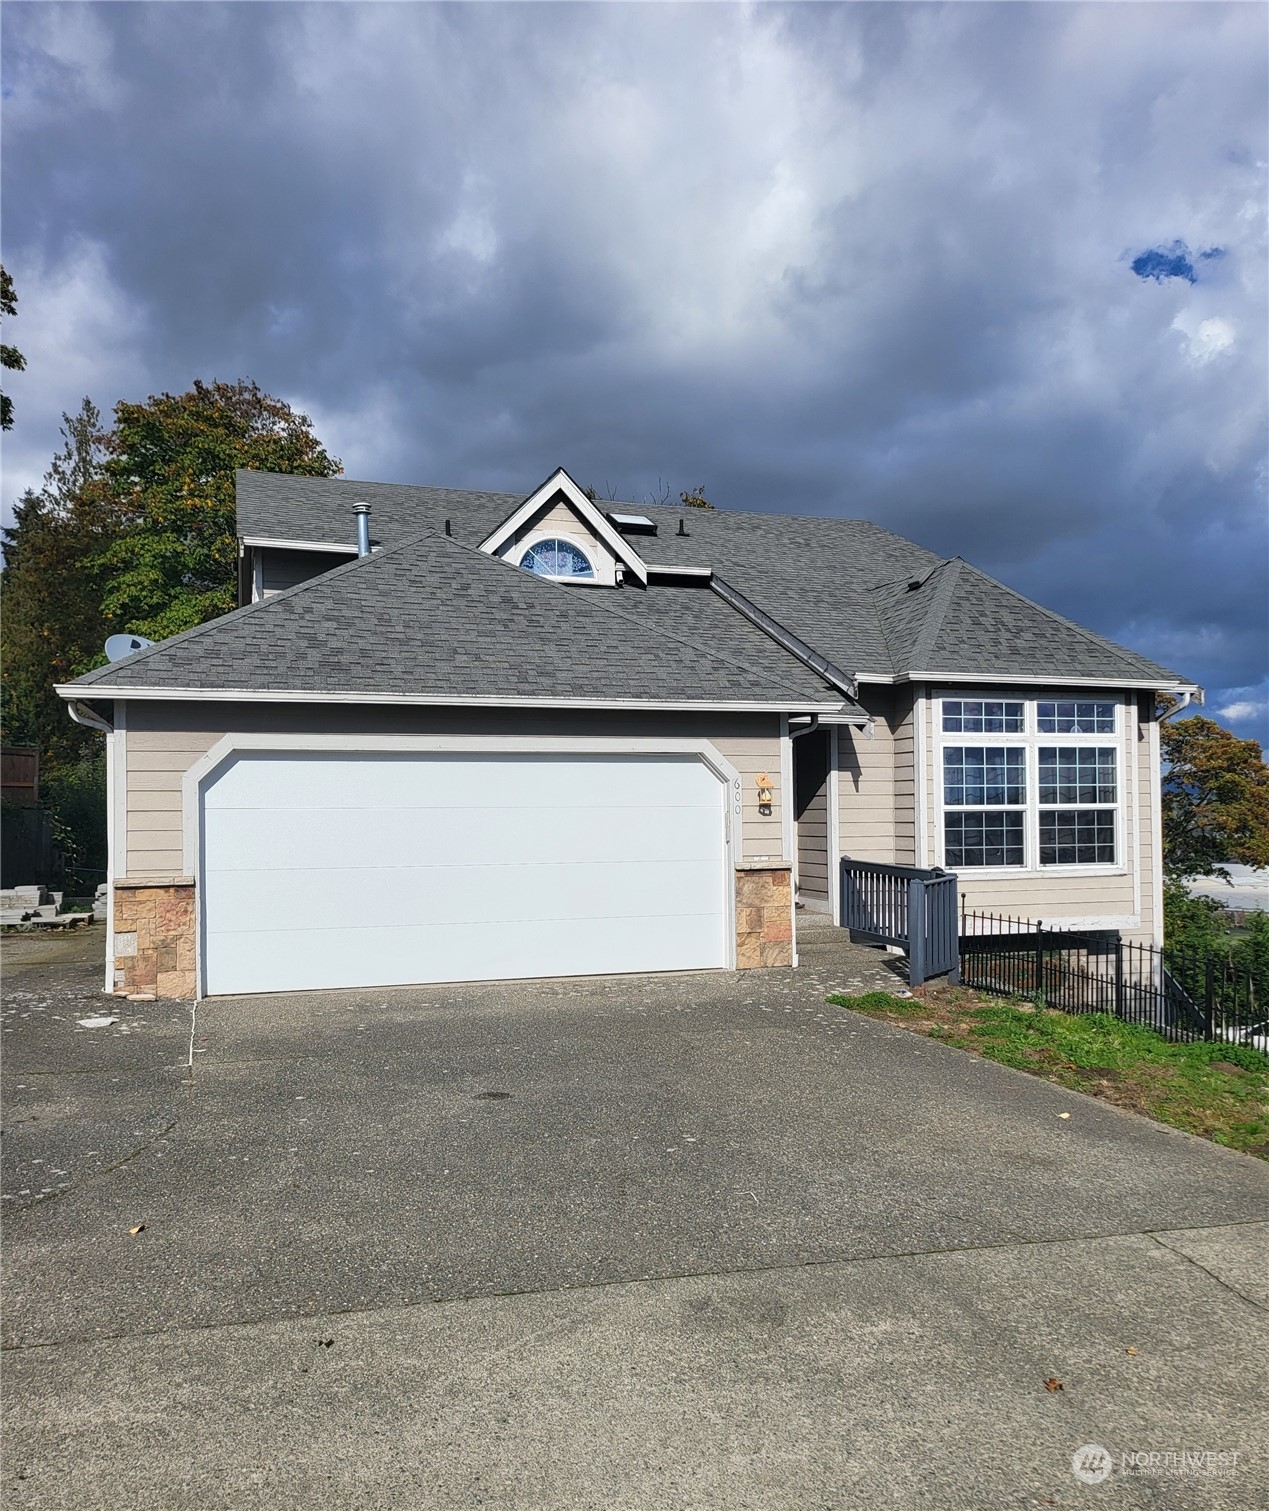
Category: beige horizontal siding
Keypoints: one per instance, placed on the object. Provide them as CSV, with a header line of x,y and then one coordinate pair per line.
x,y
812,842
163,740
752,755
866,783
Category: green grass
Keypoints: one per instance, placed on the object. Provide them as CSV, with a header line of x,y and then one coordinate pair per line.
x,y
1219,1091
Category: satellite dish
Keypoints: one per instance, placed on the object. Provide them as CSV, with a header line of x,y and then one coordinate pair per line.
x,y
119,646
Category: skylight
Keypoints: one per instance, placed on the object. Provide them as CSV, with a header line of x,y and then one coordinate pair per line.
x,y
632,523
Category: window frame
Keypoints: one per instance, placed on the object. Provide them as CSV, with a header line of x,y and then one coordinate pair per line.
x,y
1030,741
545,537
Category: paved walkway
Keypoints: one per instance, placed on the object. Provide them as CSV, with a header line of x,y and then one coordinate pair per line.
x,y
684,1241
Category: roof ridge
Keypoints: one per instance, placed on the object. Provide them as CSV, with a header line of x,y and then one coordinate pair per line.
x,y
936,613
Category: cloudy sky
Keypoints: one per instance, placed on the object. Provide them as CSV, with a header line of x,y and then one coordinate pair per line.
x,y
991,275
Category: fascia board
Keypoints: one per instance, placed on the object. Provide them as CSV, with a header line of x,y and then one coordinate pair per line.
x,y
71,691
560,482
1008,679
269,543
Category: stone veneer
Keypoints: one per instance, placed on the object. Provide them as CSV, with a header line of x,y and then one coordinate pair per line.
x,y
154,930
764,916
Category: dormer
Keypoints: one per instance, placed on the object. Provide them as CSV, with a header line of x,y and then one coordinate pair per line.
x,y
559,534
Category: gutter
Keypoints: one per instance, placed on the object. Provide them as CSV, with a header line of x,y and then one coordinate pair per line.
x,y
786,639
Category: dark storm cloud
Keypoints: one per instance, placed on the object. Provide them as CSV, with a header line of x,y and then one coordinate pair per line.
x,y
850,260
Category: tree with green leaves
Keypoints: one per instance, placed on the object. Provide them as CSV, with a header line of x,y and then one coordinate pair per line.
x,y
1215,799
53,627
10,356
170,467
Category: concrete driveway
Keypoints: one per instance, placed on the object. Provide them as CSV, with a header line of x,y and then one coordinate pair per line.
x,y
697,1241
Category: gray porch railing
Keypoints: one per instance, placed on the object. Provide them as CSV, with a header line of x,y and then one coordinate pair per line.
x,y
903,906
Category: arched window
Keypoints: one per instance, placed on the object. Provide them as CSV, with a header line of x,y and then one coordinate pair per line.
x,y
557,558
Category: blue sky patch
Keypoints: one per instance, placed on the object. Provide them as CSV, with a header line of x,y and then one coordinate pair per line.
x,y
1172,262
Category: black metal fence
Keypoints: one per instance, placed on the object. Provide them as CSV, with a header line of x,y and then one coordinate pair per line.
x,y
912,909
1183,997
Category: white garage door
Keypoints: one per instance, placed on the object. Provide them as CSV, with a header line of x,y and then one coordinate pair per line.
x,y
374,870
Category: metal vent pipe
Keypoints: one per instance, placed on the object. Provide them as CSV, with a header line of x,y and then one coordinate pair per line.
x,y
362,511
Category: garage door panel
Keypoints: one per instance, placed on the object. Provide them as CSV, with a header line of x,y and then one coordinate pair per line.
x,y
460,894
325,871
307,960
327,783
395,840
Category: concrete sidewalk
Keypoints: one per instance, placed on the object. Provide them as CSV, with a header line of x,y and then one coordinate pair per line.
x,y
675,1241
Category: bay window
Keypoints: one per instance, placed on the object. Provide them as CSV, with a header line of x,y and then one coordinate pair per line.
x,y
1014,796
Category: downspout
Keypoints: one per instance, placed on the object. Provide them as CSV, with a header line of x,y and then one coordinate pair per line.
x,y
82,714
1173,713
796,734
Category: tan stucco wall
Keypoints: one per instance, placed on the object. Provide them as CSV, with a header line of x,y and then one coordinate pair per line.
x,y
161,741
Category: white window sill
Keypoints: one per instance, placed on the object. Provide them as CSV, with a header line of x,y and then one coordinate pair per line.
x,y
968,872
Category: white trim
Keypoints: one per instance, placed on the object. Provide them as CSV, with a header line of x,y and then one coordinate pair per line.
x,y
834,827
997,679
297,545
788,837
237,744
1156,829
920,795
112,779
560,482
257,576
1077,921
72,690
681,571
788,847
1132,819
120,809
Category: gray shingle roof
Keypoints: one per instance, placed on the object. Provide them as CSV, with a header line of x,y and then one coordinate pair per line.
x,y
431,618
279,506
960,619
839,585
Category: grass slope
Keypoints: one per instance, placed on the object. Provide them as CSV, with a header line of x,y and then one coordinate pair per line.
x,y
1218,1091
